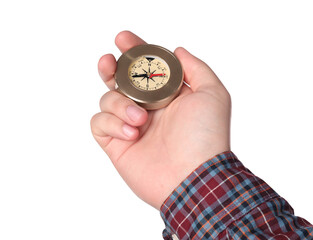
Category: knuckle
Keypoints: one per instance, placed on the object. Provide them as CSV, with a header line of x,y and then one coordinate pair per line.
x,y
115,103
100,122
94,118
108,98
102,100
120,101
93,121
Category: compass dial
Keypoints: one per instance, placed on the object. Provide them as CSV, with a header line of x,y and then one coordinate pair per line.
x,y
149,73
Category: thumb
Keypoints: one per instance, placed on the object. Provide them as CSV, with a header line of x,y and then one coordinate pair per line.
x,y
197,74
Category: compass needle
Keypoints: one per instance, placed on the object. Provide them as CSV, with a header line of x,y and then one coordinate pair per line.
x,y
139,75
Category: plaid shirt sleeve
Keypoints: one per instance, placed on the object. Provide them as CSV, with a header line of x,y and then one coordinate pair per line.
x,y
222,199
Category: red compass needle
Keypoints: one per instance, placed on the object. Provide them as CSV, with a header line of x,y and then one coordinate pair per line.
x,y
157,75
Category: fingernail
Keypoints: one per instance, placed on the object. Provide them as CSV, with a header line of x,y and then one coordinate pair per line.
x,y
134,113
128,130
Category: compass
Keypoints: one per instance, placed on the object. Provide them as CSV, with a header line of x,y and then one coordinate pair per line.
x,y
150,75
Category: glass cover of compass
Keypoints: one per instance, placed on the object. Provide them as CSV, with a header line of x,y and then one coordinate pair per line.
x,y
150,75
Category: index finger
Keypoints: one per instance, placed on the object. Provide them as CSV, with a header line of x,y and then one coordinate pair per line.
x,y
126,40
107,63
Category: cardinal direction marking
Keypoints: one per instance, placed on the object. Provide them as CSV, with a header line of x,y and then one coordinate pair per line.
x,y
150,59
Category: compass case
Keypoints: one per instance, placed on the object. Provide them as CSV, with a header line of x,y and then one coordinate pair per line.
x,y
149,99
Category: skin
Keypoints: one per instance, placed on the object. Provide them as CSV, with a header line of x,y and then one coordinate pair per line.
x,y
154,151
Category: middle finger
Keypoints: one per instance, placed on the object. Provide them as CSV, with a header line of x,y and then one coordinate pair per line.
x,y
124,108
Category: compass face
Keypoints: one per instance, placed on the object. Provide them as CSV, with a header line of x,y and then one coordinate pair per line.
x,y
149,73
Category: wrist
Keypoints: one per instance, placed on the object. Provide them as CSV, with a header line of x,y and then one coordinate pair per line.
x,y
183,170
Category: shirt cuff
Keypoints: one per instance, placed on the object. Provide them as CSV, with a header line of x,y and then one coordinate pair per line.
x,y
217,193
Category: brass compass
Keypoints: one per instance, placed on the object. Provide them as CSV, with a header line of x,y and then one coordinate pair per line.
x,y
150,75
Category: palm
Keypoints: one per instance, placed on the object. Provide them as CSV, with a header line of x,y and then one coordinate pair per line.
x,y
173,142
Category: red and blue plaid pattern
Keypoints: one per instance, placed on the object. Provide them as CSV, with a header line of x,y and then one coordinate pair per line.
x,y
223,200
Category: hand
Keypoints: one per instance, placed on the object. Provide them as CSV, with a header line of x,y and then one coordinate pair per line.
x,y
154,151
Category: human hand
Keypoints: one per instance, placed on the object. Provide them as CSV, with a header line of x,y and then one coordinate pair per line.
x,y
154,151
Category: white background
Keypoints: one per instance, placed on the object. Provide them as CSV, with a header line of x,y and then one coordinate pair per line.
x,y
55,181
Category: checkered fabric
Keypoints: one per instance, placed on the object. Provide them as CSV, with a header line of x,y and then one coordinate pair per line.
x,y
223,200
